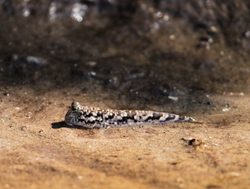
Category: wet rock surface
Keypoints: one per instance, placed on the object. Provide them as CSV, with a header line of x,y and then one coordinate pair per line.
x,y
140,51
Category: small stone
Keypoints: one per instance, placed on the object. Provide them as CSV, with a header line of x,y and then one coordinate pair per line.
x,y
174,98
247,34
172,37
36,60
92,73
23,128
213,29
29,114
190,141
91,63
6,94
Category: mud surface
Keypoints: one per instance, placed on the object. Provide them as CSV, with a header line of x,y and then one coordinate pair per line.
x,y
187,58
38,151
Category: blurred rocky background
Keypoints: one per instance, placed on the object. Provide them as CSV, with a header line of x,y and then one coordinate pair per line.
x,y
170,53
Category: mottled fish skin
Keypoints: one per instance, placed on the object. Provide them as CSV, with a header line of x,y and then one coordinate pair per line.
x,y
90,117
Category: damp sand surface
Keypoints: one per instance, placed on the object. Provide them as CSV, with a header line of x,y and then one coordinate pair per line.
x,y
37,151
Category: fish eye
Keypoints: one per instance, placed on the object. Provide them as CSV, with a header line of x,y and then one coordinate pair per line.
x,y
75,105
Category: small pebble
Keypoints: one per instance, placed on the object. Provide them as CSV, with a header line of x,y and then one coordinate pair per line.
x,y
23,128
91,63
174,98
190,141
6,94
172,37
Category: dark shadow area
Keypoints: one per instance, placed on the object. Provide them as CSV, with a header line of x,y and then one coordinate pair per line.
x,y
170,54
58,125
62,124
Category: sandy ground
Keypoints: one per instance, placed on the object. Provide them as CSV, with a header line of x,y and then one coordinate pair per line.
x,y
37,151
176,56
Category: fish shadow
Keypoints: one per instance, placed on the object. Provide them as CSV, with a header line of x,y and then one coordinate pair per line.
x,y
59,125
62,124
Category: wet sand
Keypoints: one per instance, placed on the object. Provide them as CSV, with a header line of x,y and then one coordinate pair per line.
x,y
38,152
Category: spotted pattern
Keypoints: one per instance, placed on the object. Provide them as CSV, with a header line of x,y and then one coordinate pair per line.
x,y
90,117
